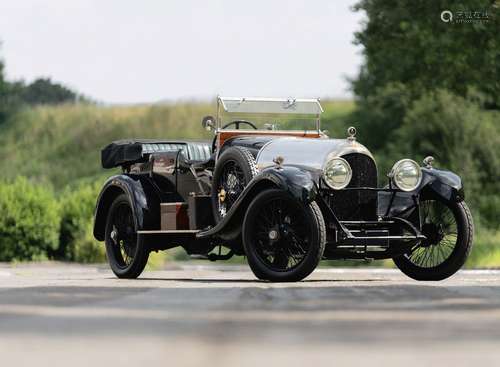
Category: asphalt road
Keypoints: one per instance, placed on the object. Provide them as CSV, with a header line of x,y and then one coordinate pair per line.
x,y
67,315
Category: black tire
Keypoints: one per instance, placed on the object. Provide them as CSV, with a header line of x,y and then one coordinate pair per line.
x,y
300,238
127,254
439,259
235,168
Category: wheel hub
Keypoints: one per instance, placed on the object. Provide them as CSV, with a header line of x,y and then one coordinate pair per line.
x,y
433,232
114,235
222,195
273,234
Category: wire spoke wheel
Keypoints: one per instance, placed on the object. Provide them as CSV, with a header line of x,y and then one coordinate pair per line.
x,y
231,186
439,225
449,229
282,235
284,239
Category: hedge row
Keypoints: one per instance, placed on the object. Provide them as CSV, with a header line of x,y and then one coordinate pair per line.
x,y
35,224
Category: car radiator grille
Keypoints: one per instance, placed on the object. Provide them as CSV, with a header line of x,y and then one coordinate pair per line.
x,y
356,204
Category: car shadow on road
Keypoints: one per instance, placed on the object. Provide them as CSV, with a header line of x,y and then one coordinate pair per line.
x,y
218,280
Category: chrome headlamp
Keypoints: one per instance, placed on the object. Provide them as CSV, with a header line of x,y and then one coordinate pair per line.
x,y
406,174
337,173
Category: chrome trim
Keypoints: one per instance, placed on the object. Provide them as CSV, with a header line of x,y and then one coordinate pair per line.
x,y
257,105
392,173
428,161
351,132
349,173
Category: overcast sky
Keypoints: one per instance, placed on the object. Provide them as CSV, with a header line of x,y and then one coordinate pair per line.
x,y
131,51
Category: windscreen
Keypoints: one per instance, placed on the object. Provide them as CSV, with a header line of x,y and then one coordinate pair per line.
x,y
269,113
268,122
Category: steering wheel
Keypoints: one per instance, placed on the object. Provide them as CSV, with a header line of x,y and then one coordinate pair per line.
x,y
237,124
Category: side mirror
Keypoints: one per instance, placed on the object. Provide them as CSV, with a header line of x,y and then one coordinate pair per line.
x,y
208,123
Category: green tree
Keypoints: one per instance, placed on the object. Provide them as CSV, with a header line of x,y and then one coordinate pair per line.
x,y
429,87
9,95
4,95
381,114
45,91
407,42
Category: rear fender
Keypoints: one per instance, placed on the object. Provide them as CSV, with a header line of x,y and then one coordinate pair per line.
x,y
143,196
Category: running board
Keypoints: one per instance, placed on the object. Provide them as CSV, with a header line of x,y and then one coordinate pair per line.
x,y
378,240
170,231
367,222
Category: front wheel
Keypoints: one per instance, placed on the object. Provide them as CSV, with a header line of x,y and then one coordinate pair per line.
x,y
449,229
126,252
284,239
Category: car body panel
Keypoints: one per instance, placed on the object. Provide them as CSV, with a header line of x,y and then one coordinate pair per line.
x,y
307,152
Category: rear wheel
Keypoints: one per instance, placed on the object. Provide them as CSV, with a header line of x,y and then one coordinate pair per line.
x,y
284,239
449,230
126,252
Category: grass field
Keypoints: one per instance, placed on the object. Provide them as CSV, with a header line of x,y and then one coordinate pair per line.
x,y
61,145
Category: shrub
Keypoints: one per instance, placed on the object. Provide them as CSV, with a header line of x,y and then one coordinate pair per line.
x,y
76,241
29,223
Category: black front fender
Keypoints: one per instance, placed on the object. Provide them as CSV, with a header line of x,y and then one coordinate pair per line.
x,y
142,194
445,184
297,182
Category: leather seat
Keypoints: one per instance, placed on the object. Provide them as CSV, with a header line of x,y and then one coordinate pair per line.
x,y
199,151
200,155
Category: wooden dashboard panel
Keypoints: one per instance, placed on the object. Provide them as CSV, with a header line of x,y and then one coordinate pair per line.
x,y
224,135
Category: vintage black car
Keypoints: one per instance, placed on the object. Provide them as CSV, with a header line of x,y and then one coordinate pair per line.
x,y
274,188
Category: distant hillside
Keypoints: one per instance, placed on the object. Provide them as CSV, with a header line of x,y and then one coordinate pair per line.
x,y
61,145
